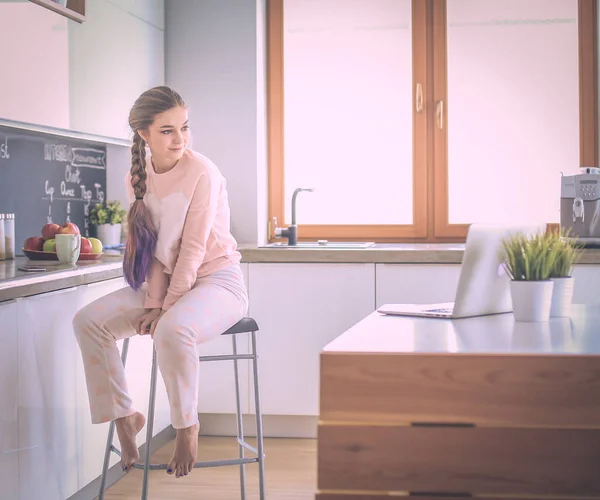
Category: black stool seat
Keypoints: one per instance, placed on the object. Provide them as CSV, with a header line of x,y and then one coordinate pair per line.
x,y
244,325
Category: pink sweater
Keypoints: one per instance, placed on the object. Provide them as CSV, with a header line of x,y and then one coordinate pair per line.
x,y
190,209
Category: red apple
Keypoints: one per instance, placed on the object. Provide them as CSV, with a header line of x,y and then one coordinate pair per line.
x,y
86,246
34,243
68,228
49,231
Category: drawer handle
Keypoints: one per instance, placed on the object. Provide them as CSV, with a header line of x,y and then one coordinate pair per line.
x,y
442,424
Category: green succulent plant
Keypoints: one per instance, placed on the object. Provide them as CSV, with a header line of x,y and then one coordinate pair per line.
x,y
109,213
539,257
529,258
568,253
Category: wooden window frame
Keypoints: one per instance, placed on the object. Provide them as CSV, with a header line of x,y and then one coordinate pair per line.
x,y
588,110
430,143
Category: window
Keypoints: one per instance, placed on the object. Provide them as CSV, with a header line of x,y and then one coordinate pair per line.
x,y
413,118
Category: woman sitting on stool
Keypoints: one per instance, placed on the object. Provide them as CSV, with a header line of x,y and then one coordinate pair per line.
x,y
182,267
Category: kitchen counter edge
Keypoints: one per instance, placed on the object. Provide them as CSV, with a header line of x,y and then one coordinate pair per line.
x,y
110,267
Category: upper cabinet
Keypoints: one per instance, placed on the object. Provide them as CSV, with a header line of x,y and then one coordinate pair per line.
x,y
73,9
81,76
117,54
34,87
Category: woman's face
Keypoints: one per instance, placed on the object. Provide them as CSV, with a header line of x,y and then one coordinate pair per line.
x,y
168,136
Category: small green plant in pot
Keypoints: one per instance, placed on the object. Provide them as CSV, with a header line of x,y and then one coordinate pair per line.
x,y
108,219
568,253
529,261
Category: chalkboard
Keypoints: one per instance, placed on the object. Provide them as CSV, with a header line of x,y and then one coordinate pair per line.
x,y
49,178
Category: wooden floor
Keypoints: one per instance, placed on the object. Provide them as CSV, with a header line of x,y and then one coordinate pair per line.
x,y
290,472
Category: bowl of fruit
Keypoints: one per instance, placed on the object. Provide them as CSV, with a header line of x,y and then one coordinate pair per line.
x,y
44,247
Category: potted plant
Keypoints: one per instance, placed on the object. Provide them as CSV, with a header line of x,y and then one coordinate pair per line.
x,y
568,253
528,262
108,220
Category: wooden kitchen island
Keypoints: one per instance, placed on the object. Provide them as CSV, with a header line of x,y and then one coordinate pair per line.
x,y
478,408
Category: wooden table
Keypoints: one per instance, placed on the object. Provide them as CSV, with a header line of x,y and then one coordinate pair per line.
x,y
481,407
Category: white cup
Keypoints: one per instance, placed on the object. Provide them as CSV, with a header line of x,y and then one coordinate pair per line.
x,y
68,247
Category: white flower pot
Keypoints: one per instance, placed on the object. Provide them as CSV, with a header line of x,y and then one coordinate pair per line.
x,y
531,300
109,234
562,297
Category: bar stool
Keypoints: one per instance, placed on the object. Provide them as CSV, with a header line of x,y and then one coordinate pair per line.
x,y
245,325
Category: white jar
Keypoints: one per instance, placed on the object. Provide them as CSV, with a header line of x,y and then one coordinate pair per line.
x,y
9,236
2,239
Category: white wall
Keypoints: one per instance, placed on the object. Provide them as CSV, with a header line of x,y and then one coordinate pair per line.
x,y
215,59
118,159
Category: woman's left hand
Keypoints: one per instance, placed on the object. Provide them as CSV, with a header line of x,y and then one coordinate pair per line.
x,y
148,321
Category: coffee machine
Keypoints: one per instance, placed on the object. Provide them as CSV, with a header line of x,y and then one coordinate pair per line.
x,y
580,206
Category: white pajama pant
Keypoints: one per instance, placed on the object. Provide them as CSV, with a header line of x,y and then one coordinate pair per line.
x,y
215,303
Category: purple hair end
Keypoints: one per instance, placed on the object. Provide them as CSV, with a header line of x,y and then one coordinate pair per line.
x,y
140,248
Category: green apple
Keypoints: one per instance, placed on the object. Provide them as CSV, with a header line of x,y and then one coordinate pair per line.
x,y
50,245
96,245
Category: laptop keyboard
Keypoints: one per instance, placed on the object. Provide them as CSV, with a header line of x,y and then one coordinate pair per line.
x,y
440,310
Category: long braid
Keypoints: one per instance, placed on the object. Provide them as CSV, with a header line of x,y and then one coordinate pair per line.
x,y
142,235
138,166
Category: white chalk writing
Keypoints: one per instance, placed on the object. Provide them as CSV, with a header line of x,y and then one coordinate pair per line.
x,y
72,175
99,192
4,150
89,157
49,190
57,152
64,191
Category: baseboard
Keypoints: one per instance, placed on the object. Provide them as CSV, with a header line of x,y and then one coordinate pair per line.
x,y
280,426
115,473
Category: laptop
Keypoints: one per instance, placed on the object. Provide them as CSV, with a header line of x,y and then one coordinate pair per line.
x,y
483,285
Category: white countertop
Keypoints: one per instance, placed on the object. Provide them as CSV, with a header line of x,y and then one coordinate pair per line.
x,y
496,334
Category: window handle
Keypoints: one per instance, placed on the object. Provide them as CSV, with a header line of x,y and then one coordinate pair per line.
x,y
419,98
440,114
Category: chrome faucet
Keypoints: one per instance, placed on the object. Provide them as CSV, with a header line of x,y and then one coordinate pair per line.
x,y
291,232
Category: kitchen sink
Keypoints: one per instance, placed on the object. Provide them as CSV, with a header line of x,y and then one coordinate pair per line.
x,y
322,244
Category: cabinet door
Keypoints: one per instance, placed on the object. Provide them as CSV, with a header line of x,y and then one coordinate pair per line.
x,y
47,382
89,293
416,284
9,399
299,309
216,386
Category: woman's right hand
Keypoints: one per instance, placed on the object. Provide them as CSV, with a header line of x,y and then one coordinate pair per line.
x,y
146,323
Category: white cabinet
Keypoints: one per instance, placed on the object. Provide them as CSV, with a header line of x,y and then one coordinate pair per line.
x,y
9,400
587,284
416,283
299,309
47,382
38,85
114,36
216,386
92,438
137,370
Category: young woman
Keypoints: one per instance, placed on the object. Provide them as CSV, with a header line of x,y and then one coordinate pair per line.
x,y
182,266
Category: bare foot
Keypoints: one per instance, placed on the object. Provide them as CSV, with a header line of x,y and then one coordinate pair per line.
x,y
186,451
127,429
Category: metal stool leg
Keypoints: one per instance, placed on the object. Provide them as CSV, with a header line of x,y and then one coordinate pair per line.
x,y
111,432
149,424
259,430
240,425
